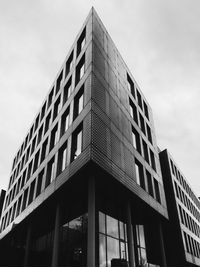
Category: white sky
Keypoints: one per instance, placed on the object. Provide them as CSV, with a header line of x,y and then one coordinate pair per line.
x,y
159,40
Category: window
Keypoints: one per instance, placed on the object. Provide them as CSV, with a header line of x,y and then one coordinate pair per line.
x,y
136,140
80,69
69,64
146,112
145,151
131,86
78,102
44,150
149,133
153,163
57,107
39,183
40,134
58,82
36,161
67,90
31,133
27,153
50,98
50,172
36,122
62,158
43,111
141,246
149,183
18,206
64,122
133,111
31,194
25,199
54,137
29,170
142,125
81,42
157,191
76,143
23,179
47,122
139,174
139,99
33,145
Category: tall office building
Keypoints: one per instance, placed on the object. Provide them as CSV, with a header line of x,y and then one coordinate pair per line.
x,y
86,186
182,231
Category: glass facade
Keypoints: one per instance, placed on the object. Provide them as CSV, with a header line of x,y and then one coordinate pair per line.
x,y
112,242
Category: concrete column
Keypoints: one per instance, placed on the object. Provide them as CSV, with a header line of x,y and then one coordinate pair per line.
x,y
162,247
130,239
28,245
55,254
91,223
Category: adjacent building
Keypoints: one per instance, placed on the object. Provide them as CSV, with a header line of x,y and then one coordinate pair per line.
x,y
182,232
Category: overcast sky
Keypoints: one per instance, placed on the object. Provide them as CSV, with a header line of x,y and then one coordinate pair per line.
x,y
159,40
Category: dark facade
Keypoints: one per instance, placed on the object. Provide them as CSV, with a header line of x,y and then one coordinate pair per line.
x,y
2,197
86,186
182,231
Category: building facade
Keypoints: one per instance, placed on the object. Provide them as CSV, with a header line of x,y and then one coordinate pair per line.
x,y
86,186
182,231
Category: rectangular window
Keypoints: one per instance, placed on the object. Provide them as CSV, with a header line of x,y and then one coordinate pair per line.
x,y
31,194
157,191
145,151
31,133
43,111
25,199
76,143
68,66
23,179
47,122
36,161
67,90
58,82
40,134
136,140
18,206
149,183
146,112
62,158
139,99
78,103
153,163
36,122
131,86
133,111
149,133
50,172
80,69
50,98
57,107
39,183
54,137
139,174
81,42
27,153
33,145
29,170
142,125
64,122
44,150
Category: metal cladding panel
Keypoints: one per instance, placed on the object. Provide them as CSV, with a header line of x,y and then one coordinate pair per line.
x,y
99,93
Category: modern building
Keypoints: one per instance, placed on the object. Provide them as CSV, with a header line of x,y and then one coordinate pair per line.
x,y
86,186
182,231
2,197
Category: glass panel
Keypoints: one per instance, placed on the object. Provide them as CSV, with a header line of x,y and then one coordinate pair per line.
x,y
102,223
112,250
112,227
102,250
121,230
141,236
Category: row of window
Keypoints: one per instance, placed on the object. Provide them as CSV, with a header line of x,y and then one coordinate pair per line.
x,y
140,122
46,176
186,201
136,94
192,246
78,105
184,184
189,222
68,66
152,184
48,144
147,152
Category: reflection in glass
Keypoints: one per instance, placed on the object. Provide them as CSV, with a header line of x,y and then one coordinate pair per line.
x,y
112,249
102,250
102,223
112,227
